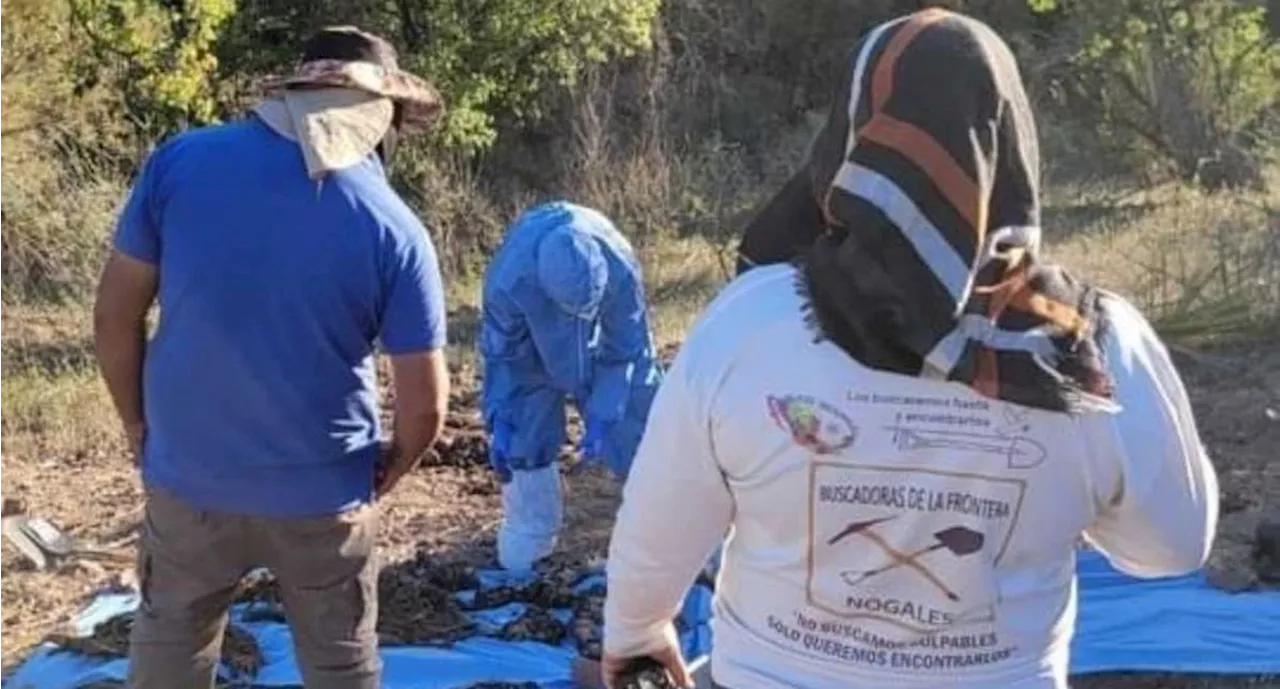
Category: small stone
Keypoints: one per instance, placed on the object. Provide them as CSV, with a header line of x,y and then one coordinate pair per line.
x,y
1266,550
1235,502
94,570
123,581
13,506
1229,580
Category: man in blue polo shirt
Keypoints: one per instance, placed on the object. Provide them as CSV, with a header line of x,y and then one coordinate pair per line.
x,y
279,254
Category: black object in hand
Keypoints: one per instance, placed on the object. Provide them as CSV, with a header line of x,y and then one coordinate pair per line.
x,y
645,673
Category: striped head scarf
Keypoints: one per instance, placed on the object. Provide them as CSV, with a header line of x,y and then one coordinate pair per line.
x,y
926,178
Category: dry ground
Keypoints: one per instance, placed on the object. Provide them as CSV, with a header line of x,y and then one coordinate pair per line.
x,y
63,459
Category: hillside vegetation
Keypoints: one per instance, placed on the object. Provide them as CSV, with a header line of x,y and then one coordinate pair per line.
x,y
675,118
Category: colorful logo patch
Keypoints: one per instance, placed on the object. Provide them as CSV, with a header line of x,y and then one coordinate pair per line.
x,y
813,424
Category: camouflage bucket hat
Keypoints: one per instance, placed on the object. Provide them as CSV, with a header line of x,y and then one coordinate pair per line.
x,y
346,57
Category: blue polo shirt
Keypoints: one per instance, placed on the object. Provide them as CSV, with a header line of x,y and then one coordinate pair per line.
x,y
259,389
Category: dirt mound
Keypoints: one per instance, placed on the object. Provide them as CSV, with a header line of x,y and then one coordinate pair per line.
x,y
110,639
419,603
464,442
416,613
459,448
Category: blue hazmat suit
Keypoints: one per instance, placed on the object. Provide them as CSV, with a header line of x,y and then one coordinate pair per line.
x,y
563,318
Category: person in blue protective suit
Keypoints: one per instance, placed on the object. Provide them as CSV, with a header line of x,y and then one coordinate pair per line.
x,y
563,318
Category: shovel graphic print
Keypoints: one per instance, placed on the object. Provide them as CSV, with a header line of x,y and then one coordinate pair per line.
x,y
960,540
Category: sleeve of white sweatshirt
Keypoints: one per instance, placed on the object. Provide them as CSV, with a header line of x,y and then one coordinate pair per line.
x,y
676,508
1155,487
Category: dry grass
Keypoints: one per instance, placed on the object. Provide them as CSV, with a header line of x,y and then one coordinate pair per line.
x,y
682,276
58,209
53,404
1204,266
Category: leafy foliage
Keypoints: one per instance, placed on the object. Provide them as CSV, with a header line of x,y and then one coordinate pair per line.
x,y
34,63
1182,82
674,116
492,59
495,58
157,54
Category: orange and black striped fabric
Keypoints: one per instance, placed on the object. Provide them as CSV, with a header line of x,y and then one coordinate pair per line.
x,y
926,184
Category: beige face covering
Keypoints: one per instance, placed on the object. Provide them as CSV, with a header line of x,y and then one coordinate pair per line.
x,y
335,127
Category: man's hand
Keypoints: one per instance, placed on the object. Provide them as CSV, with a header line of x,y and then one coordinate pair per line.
x,y
125,294
613,669
136,434
422,400
393,465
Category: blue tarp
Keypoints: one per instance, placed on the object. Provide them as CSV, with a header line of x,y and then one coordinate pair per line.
x,y
1179,625
465,663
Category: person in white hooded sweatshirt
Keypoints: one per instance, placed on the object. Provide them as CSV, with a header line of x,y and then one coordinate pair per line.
x,y
910,427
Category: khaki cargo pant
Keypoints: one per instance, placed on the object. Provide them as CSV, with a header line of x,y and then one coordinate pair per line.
x,y
190,563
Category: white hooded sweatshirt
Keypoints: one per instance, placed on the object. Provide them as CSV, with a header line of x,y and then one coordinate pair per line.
x,y
890,531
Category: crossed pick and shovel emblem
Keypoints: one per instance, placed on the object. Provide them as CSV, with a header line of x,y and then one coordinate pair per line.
x,y
960,540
